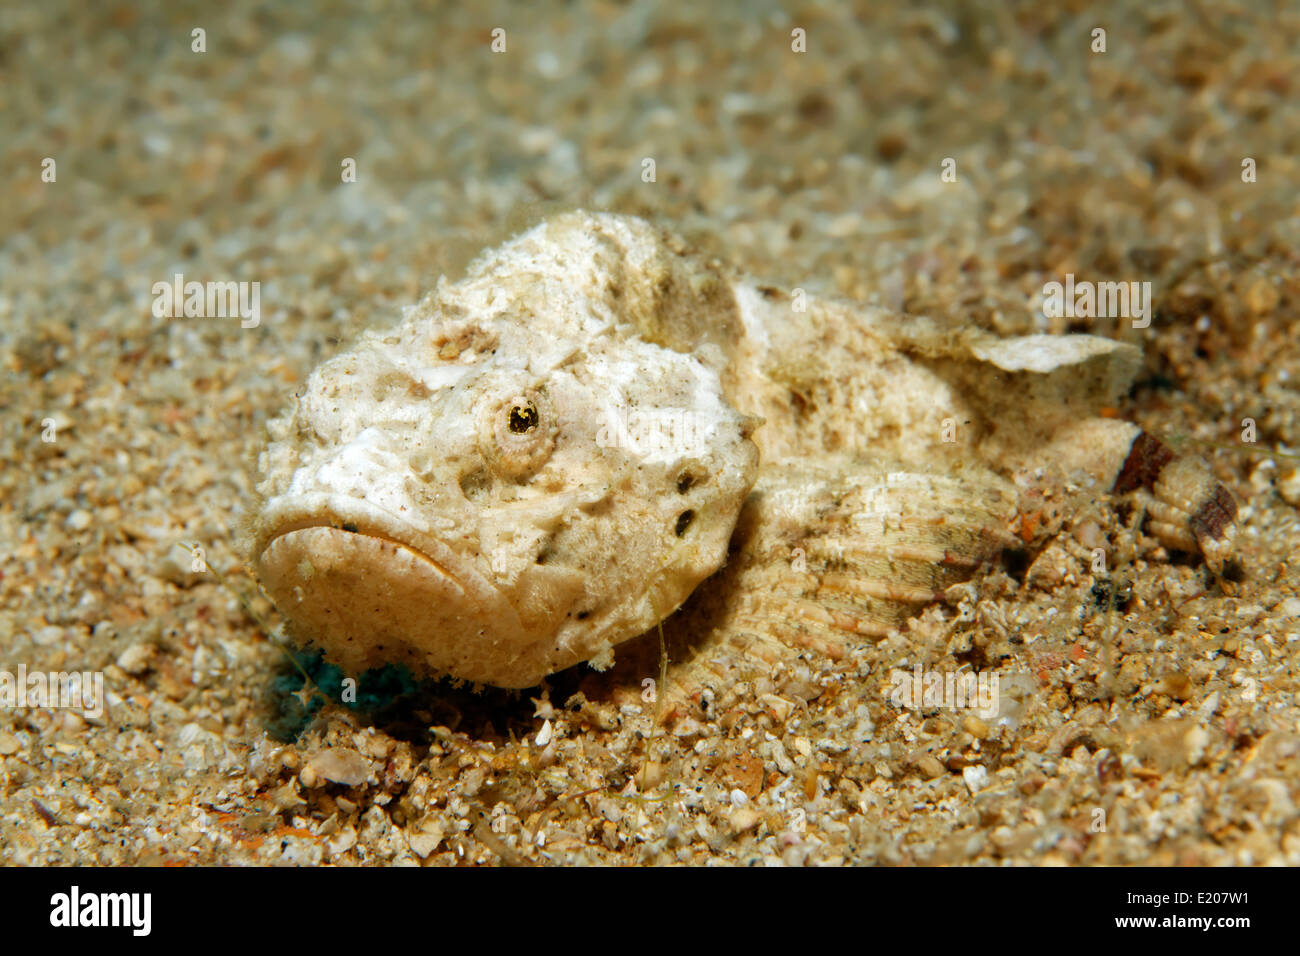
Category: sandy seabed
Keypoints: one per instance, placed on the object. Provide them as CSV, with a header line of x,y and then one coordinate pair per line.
x,y
1156,719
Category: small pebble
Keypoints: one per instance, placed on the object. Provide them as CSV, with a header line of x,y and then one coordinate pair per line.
x,y
976,777
135,659
544,735
46,636
929,766
1288,486
422,844
339,765
343,841
79,520
1195,741
779,707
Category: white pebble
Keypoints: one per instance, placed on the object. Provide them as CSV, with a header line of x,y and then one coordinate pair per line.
x,y
976,777
135,659
47,635
544,735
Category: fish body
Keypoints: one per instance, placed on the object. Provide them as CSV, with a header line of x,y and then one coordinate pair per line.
x,y
546,458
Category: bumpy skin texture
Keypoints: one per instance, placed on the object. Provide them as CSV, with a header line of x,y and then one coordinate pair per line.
x,y
486,491
545,458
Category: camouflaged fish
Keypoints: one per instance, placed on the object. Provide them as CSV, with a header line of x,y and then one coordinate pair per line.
x,y
546,458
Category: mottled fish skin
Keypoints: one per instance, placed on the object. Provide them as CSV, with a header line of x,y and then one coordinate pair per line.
x,y
547,457
486,490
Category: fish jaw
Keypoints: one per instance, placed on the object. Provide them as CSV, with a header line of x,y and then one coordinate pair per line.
x,y
370,589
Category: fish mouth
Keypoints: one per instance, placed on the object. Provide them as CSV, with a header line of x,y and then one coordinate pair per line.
x,y
286,515
369,589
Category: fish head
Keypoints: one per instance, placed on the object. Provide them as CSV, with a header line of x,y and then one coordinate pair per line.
x,y
493,493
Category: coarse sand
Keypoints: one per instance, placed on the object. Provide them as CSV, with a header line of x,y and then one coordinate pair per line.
x,y
1149,716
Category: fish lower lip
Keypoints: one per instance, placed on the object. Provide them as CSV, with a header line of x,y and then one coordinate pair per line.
x,y
320,536
368,600
354,594
373,534
288,514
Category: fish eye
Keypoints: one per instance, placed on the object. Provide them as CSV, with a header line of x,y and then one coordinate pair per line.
x,y
517,435
522,417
